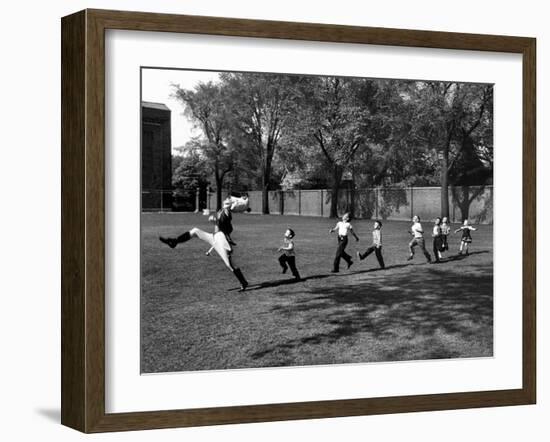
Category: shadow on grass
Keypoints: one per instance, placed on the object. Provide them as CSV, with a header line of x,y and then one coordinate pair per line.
x,y
289,281
435,305
459,257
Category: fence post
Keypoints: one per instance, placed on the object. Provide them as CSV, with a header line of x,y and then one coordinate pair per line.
x,y
321,203
412,203
197,201
299,202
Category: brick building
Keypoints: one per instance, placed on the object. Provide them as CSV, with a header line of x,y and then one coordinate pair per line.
x,y
156,157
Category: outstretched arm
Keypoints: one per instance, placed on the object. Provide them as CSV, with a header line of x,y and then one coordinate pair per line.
x,y
353,233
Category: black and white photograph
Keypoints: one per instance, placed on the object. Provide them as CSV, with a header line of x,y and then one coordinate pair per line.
x,y
303,220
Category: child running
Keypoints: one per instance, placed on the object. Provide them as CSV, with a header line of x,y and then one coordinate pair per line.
x,y
343,228
437,235
418,239
288,258
466,236
445,231
376,246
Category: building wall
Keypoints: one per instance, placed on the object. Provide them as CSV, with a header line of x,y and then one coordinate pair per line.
x,y
156,159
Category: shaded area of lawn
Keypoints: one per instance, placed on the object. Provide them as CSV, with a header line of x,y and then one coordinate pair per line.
x,y
431,315
194,319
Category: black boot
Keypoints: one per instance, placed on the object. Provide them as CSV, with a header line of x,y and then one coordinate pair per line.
x,y
170,242
173,242
241,278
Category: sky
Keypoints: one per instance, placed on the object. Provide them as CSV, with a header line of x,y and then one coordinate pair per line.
x,y
156,87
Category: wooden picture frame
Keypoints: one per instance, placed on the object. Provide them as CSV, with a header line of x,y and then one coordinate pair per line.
x,y
83,220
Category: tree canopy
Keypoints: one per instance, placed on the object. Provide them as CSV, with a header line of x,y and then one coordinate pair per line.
x,y
273,131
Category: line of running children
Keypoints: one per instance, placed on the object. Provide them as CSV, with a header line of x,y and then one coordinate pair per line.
x,y
344,229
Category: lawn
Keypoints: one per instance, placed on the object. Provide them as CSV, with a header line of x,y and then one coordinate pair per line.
x,y
194,318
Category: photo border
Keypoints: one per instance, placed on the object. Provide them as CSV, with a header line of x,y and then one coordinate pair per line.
x,y
83,220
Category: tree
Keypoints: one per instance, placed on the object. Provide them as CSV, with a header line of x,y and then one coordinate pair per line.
x,y
335,116
262,106
206,106
451,115
189,173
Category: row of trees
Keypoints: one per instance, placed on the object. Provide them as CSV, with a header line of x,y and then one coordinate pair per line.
x,y
260,129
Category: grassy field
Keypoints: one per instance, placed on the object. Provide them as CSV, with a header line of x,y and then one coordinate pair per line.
x,y
193,317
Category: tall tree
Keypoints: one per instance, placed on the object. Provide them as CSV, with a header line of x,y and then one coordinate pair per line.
x,y
206,105
336,118
452,115
262,107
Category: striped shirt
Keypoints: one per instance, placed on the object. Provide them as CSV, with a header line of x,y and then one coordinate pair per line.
x,y
377,237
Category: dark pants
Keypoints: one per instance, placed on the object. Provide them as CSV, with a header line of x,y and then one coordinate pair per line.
x,y
444,243
437,247
378,253
289,261
341,253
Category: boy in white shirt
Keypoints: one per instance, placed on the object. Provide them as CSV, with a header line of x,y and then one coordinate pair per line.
x,y
418,239
344,228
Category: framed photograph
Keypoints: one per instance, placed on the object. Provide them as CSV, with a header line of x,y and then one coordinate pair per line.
x,y
266,221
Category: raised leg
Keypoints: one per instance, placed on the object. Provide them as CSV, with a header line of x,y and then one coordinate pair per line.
x,y
186,236
367,252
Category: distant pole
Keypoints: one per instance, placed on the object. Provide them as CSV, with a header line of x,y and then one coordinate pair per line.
x,y
412,203
321,202
197,201
299,202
